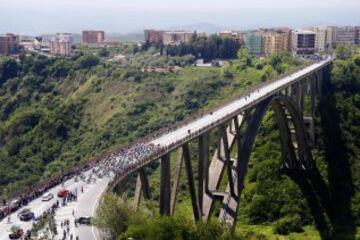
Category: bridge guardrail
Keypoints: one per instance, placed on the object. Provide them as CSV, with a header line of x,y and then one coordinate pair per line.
x,y
167,149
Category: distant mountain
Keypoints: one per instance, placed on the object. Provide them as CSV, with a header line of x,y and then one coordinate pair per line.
x,y
200,27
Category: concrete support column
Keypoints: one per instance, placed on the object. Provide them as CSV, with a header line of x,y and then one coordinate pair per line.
x,y
165,185
228,162
301,95
175,185
138,189
203,167
191,183
319,79
288,151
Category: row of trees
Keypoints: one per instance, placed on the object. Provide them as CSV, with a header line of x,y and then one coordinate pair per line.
x,y
207,48
116,215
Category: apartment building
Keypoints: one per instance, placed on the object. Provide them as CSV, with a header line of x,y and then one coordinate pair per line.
x,y
357,35
177,37
153,36
61,44
303,42
92,36
275,40
345,35
323,37
236,35
9,44
253,42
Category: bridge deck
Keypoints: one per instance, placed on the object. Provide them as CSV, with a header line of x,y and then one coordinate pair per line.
x,y
237,106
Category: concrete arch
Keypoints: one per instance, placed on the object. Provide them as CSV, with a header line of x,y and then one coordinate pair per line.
x,y
295,161
285,109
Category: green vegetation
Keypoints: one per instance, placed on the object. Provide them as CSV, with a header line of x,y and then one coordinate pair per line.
x,y
56,113
272,205
119,219
207,48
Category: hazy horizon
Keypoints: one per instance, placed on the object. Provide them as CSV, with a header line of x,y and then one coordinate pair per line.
x,y
49,16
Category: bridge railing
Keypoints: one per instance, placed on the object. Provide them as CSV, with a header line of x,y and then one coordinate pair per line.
x,y
145,161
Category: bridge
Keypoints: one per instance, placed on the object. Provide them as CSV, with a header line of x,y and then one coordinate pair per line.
x,y
236,124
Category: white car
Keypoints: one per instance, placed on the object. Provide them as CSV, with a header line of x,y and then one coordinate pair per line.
x,y
47,197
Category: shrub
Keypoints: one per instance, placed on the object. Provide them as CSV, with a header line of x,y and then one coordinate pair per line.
x,y
288,224
87,61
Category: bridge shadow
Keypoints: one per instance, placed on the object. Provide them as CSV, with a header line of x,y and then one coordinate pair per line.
x,y
316,203
330,201
337,198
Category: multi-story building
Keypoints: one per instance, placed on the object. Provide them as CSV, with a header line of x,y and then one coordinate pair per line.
x,y
177,37
303,42
275,40
61,44
27,43
91,36
357,35
236,35
9,44
153,36
330,37
345,35
253,42
323,39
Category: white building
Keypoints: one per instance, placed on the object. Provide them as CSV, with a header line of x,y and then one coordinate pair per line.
x,y
303,42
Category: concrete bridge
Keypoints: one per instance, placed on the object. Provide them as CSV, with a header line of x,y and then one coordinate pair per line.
x,y
237,124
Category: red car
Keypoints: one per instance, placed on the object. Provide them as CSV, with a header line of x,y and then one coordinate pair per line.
x,y
63,193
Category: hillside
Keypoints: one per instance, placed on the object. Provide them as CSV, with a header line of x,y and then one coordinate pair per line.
x,y
57,112
273,206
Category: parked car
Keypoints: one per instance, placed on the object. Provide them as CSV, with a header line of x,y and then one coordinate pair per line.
x,y
26,215
14,205
16,234
47,197
5,210
83,220
63,193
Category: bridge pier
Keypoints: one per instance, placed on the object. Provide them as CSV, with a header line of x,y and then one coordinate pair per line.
x,y
203,166
142,186
175,186
165,185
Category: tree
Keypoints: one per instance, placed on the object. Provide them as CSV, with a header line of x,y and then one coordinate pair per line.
x,y
342,51
113,214
8,69
61,68
87,61
244,56
103,52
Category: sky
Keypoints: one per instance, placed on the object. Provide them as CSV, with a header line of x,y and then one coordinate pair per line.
x,y
124,16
